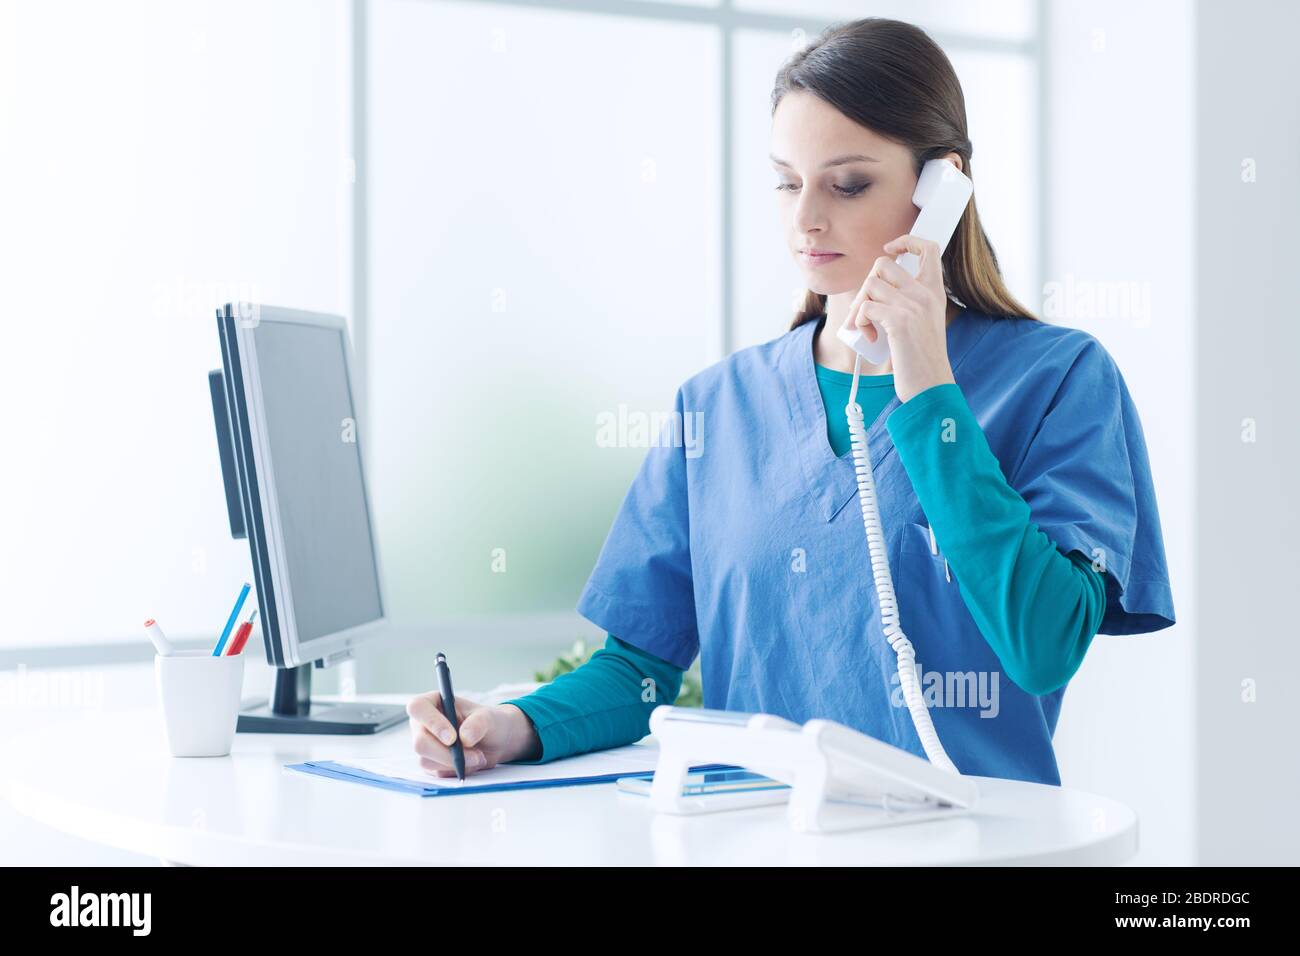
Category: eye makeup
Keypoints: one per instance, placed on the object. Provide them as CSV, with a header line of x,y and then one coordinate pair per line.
x,y
852,189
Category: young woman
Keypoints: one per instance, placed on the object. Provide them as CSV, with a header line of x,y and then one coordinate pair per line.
x,y
1010,468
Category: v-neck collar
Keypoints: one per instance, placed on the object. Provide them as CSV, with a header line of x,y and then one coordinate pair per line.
x,y
830,479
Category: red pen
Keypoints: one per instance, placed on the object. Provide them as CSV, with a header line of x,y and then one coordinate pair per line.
x,y
241,635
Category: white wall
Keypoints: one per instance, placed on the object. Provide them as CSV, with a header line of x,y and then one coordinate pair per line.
x,y
544,245
157,159
1248,330
1120,167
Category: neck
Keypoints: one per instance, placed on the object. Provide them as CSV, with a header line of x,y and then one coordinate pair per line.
x,y
830,352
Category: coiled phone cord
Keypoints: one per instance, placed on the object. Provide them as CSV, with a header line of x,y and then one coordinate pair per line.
x,y
885,582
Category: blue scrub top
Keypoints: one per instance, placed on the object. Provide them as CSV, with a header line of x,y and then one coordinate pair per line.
x,y
737,540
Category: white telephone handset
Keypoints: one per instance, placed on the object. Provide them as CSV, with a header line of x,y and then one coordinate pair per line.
x,y
942,193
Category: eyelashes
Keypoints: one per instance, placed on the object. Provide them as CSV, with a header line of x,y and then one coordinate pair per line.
x,y
848,191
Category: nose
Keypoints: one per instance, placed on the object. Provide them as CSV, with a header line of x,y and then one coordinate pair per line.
x,y
808,216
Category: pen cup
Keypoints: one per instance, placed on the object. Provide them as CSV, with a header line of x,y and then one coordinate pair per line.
x,y
200,697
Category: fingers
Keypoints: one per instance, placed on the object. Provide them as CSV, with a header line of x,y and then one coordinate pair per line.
x,y
878,290
862,292
927,250
476,726
889,281
447,770
890,291
426,711
475,762
432,734
871,313
892,273
880,287
437,757
476,734
885,279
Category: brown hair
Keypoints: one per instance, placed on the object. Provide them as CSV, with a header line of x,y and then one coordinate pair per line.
x,y
890,77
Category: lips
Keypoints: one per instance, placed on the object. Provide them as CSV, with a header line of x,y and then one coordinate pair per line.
x,y
819,258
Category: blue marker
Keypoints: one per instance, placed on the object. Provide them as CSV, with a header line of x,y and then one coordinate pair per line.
x,y
239,602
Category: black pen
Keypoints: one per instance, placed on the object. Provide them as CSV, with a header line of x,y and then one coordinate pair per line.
x,y
449,709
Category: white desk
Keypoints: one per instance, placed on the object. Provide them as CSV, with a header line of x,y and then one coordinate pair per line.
x,y
108,778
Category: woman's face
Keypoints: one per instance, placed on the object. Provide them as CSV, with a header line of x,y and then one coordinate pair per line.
x,y
826,203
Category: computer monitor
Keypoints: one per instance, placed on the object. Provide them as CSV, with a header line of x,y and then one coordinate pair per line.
x,y
290,449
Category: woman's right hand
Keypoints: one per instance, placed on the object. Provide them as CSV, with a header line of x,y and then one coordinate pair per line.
x,y
489,734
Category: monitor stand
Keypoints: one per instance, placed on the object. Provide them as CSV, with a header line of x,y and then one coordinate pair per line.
x,y
290,710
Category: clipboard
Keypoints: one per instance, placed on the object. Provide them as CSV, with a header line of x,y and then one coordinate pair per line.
x,y
404,774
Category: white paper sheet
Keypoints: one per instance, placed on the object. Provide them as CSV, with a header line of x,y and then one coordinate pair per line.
x,y
633,758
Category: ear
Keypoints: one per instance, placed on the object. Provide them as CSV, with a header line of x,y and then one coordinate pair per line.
x,y
955,159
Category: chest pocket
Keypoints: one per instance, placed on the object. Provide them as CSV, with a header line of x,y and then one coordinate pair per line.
x,y
931,608
915,538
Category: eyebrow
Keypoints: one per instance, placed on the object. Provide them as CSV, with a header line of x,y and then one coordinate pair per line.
x,y
837,161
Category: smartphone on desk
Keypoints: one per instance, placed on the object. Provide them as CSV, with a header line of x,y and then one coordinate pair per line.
x,y
720,789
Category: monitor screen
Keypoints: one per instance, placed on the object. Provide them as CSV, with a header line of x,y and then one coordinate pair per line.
x,y
318,483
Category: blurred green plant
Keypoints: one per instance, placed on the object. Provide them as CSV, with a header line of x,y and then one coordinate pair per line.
x,y
691,694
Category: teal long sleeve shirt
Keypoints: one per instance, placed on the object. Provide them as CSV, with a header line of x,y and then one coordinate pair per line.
x,y
605,702
1038,608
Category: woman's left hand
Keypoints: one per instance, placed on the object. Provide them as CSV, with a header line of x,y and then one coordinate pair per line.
x,y
912,311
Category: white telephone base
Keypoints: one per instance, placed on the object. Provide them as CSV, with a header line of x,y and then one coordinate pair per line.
x,y
839,779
